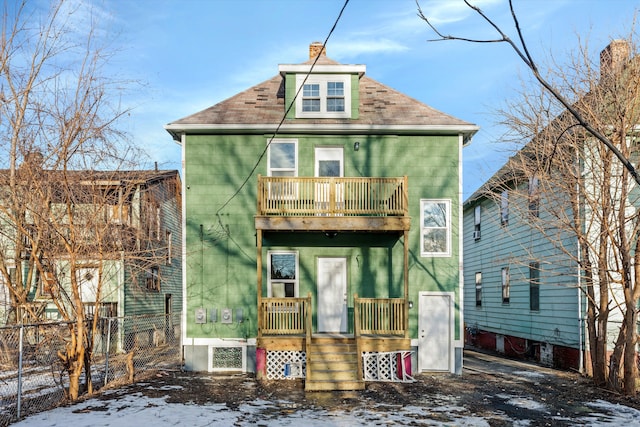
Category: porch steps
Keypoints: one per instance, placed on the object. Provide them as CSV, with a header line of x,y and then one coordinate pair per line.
x,y
332,364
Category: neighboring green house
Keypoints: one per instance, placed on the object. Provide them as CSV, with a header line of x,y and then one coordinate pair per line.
x,y
131,247
526,269
322,216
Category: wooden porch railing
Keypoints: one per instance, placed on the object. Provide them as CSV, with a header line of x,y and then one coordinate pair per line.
x,y
284,316
379,316
332,196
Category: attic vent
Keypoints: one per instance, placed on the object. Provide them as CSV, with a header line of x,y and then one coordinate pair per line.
x,y
227,358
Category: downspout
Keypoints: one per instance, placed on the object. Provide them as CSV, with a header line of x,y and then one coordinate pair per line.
x,y
460,258
183,250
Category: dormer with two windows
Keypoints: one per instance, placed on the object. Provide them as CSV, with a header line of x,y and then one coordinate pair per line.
x,y
322,88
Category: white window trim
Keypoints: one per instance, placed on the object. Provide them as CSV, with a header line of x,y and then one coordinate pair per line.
x,y
296,284
424,253
506,285
504,208
282,141
322,80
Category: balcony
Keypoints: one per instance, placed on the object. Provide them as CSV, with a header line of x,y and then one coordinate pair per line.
x,y
332,203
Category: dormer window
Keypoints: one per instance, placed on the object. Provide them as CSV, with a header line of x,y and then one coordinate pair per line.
x,y
324,96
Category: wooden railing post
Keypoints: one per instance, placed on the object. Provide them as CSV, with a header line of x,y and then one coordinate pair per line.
x,y
356,334
308,329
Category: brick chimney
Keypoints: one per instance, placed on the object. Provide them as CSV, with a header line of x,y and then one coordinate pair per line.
x,y
316,49
613,57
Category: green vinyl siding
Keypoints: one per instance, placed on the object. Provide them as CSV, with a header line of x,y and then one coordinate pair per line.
x,y
220,234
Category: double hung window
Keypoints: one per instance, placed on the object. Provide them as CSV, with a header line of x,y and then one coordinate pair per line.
x,y
282,274
324,96
435,227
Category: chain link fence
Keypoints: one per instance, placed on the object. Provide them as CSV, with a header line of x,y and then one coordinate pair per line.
x,y
32,377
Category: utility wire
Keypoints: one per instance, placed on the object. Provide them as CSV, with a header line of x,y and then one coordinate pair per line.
x,y
275,133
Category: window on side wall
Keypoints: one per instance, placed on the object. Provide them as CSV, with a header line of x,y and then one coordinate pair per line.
x,y
504,208
479,289
476,222
324,96
506,286
534,197
534,286
435,228
282,273
152,278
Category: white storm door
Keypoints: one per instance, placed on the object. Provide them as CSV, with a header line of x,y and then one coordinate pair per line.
x,y
332,295
329,162
434,331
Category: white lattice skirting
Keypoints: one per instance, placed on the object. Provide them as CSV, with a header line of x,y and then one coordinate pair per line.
x,y
384,366
377,366
286,365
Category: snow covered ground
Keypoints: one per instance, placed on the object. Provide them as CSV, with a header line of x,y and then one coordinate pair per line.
x,y
137,410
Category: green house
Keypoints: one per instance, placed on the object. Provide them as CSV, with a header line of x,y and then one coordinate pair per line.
x,y
322,230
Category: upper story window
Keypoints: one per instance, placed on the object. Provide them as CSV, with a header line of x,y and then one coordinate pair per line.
x,y
504,208
534,196
324,96
477,212
435,226
283,157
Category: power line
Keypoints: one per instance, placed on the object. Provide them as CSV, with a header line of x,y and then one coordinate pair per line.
x,y
275,133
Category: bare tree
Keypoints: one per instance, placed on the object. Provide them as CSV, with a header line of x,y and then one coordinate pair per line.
x,y
59,125
577,186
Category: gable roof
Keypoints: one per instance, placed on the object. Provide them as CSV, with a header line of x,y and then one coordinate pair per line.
x,y
262,108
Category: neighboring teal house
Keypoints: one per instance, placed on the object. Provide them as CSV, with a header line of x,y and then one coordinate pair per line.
x,y
513,304
322,230
525,275
139,268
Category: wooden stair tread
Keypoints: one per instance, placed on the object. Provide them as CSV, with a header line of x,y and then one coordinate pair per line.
x,y
332,364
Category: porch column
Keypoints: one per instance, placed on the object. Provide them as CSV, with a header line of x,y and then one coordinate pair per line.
x,y
259,277
406,283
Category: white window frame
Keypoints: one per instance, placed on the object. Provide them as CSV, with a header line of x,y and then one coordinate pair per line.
x,y
295,281
477,219
534,196
273,143
506,285
478,289
282,190
423,229
323,81
504,208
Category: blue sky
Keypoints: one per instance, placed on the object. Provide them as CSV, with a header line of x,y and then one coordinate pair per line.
x,y
192,54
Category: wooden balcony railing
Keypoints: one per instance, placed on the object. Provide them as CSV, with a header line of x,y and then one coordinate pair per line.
x,y
284,316
379,316
332,196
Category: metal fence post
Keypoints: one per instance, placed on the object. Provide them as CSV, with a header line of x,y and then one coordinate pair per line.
x,y
106,363
21,334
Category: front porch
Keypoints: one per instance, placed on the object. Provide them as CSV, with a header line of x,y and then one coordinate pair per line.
x,y
376,351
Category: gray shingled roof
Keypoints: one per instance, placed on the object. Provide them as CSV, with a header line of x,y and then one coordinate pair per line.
x,y
263,104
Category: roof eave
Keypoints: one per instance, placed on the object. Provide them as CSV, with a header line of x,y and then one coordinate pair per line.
x,y
176,130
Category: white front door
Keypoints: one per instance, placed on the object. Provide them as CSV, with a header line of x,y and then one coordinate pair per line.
x,y
435,331
332,295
